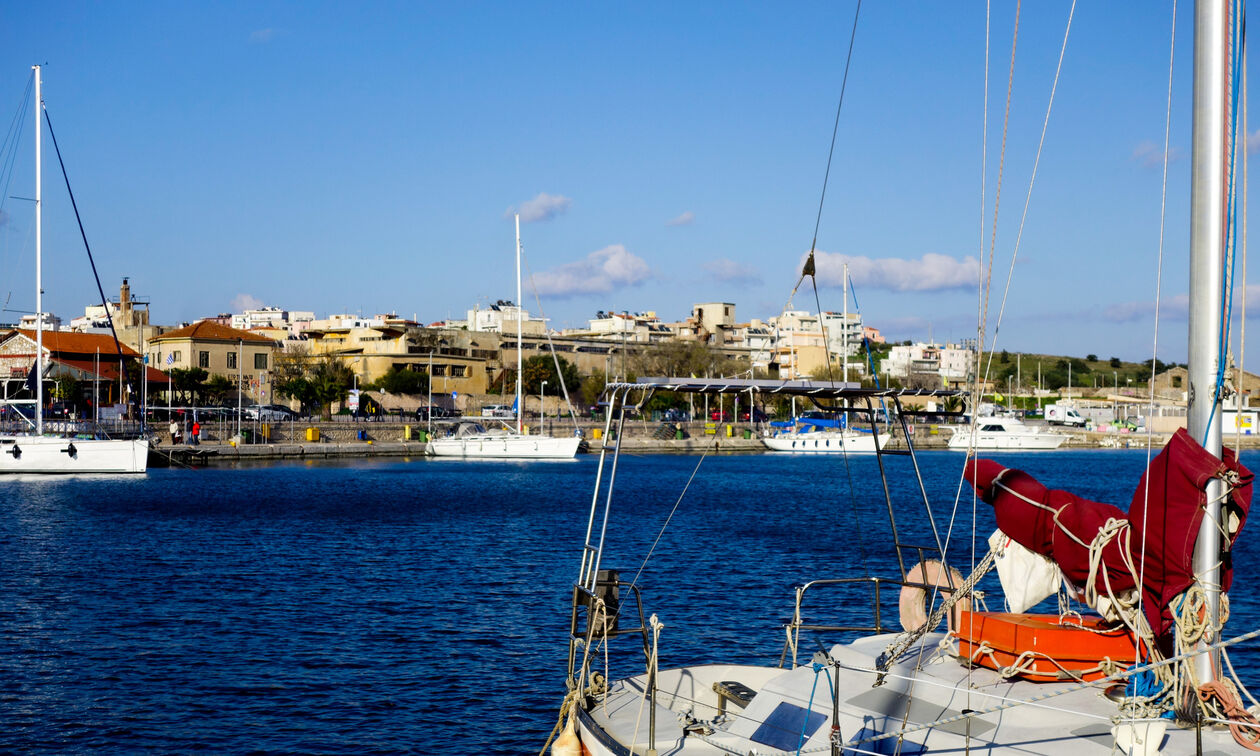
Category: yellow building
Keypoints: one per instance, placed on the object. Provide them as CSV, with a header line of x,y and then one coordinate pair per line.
x,y
219,350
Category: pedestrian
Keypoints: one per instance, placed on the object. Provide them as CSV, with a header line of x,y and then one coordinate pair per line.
x,y
174,431
196,434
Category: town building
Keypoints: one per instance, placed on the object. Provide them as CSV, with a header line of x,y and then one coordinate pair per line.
x,y
219,350
76,367
502,317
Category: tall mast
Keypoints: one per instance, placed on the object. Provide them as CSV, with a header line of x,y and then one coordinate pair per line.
x,y
1207,244
520,376
39,262
844,328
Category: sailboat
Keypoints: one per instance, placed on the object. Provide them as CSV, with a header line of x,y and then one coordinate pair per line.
x,y
36,452
1146,675
470,439
829,435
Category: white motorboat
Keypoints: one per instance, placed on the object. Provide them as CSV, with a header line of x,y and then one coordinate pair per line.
x,y
35,452
1004,434
1148,674
471,440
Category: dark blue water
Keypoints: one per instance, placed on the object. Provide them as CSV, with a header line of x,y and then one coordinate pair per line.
x,y
423,606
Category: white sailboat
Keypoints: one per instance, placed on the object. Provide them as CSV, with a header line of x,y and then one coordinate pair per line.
x,y
36,452
807,437
472,440
994,683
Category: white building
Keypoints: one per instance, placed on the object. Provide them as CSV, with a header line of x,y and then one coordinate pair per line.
x,y
502,317
950,362
295,321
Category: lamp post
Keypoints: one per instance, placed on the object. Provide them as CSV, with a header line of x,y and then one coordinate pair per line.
x,y
542,392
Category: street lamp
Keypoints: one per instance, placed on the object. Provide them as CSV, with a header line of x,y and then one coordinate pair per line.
x,y
542,392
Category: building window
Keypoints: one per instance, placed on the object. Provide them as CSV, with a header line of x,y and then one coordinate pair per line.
x,y
260,361
175,355
231,360
203,359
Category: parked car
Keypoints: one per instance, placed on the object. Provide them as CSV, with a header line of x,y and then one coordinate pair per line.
x,y
497,410
757,416
720,416
268,413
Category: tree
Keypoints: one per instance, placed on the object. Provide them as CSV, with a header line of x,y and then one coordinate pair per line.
x,y
1115,362
330,382
291,376
220,390
542,367
593,388
1091,358
1005,357
187,383
682,359
404,381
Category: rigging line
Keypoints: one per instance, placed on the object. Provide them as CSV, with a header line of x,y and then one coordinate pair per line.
x,y
1159,276
661,534
13,140
122,364
1019,235
1242,317
1237,42
844,452
987,270
808,270
555,358
835,128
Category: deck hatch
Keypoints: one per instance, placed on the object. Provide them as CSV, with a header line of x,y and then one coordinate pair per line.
x,y
788,726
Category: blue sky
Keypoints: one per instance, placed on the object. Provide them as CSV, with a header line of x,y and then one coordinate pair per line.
x,y
334,158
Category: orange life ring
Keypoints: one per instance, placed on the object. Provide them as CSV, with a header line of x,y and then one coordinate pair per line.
x,y
913,601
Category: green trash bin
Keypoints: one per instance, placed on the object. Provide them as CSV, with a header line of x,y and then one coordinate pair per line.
x,y
747,433
247,436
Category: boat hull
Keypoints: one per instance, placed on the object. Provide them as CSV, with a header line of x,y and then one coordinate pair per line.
x,y
827,443
962,441
504,447
49,455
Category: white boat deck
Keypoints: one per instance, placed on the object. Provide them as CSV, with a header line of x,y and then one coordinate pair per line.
x,y
916,711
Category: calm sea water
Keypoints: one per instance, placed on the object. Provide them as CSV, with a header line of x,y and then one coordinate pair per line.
x,y
422,605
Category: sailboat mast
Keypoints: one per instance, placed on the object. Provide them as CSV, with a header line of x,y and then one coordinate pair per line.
x,y
39,262
844,329
1207,247
520,375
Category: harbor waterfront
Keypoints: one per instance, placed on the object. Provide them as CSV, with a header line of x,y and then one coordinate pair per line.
x,y
391,438
391,605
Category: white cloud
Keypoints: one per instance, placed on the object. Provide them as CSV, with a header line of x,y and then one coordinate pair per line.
x,y
601,272
244,302
1177,307
543,207
683,219
1148,154
262,36
733,272
932,272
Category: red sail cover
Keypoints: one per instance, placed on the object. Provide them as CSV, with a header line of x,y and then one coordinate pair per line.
x,y
1165,514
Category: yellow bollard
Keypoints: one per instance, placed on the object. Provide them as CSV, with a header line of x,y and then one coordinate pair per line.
x,y
728,431
598,434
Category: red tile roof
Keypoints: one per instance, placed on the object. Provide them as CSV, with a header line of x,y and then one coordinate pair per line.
x,y
69,342
109,370
206,330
